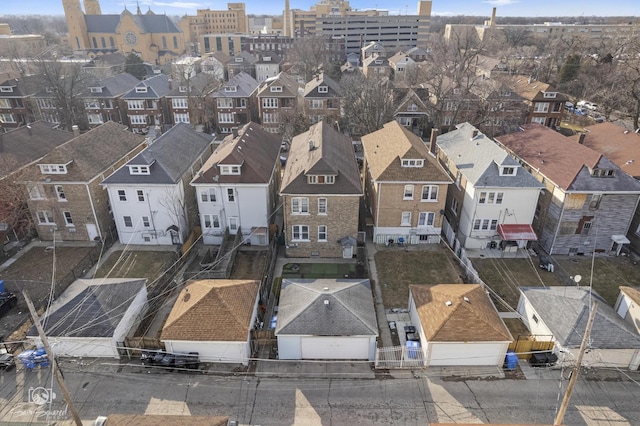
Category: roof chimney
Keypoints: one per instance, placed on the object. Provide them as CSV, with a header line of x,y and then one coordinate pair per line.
x,y
234,130
75,128
581,138
474,134
432,141
29,130
311,145
492,23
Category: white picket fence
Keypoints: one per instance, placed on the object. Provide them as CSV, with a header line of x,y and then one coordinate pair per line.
x,y
398,357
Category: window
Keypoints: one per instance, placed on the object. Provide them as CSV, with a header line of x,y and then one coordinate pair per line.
x,y
594,204
54,169
68,220
45,217
490,197
211,221
322,206
138,170
232,88
270,103
145,222
270,118
229,170
508,171
454,206
539,120
426,218
179,103
141,90
94,118
60,193
550,94
412,163
36,192
408,192
323,89
225,117
181,118
122,195
300,233
208,195
541,107
322,179
7,118
406,219
243,103
233,223
135,104
476,224
315,104
485,224
7,89
299,205
225,103
140,194
5,103
276,88
137,119
128,223
429,193
322,233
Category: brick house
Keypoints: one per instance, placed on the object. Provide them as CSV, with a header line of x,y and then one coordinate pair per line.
x,y
64,189
411,107
102,101
242,62
588,202
405,187
322,99
189,100
146,104
321,193
234,103
267,66
277,98
504,110
546,104
376,66
15,95
403,66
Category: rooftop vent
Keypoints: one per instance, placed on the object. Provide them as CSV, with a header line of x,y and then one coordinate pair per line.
x,y
466,299
448,303
326,302
326,289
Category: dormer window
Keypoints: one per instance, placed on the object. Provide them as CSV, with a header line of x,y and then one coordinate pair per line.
x,y
141,90
53,169
231,88
96,90
267,59
412,107
550,94
321,179
182,89
6,89
229,170
276,88
413,163
138,170
239,59
508,171
603,173
48,89
323,89
378,61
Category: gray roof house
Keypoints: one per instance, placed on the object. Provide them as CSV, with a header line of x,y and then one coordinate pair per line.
x,y
493,195
326,319
102,98
146,104
561,313
322,99
150,196
232,103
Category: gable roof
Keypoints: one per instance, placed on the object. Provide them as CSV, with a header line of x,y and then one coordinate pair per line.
x,y
479,159
632,292
92,153
311,88
256,150
200,84
332,154
23,86
563,161
213,310
91,307
349,312
157,87
289,86
458,313
530,89
20,147
169,157
401,57
112,86
384,150
403,96
147,23
616,143
565,311
244,83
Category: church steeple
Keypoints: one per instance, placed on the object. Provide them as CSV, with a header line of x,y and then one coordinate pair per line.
x,y
92,7
138,11
78,37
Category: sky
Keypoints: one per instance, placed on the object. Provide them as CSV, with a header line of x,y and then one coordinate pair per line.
x,y
440,7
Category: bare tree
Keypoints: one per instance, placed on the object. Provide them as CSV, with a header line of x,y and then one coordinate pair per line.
x,y
309,56
368,102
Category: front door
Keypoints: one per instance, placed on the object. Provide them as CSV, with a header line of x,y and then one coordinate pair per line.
x,y
92,231
347,252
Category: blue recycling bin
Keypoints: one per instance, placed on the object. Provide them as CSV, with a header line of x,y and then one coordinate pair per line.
x,y
511,360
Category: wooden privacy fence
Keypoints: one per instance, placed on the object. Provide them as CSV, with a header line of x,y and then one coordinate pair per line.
x,y
397,357
524,345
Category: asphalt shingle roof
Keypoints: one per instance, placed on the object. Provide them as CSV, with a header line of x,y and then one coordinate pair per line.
x,y
303,310
289,87
112,86
311,88
147,23
565,310
157,87
616,143
244,85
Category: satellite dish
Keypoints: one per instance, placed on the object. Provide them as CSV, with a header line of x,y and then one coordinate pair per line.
x,y
577,278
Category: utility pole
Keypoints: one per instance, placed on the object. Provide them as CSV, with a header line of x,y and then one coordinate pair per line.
x,y
576,367
63,387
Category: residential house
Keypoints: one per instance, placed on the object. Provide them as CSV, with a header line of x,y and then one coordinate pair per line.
x,y
546,104
21,148
488,67
15,98
622,147
504,110
452,103
403,66
458,325
267,66
102,98
628,305
561,314
213,318
376,66
492,192
418,54
92,317
234,103
277,101
373,49
326,319
405,187
321,193
65,197
237,186
353,59
106,65
322,99
216,65
588,202
243,62
412,108
189,100
150,196
146,104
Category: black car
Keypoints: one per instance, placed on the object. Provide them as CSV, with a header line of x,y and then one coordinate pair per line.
x,y
190,361
7,301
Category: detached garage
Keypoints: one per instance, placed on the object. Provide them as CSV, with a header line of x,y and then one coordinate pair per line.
x,y
458,325
326,319
92,317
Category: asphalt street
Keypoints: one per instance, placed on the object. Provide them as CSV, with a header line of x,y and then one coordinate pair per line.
x,y
409,398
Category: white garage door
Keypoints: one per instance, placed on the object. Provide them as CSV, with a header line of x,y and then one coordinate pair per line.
x,y
335,347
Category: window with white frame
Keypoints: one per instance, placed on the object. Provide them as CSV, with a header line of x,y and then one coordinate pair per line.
x,y
490,197
146,222
321,179
404,121
128,222
429,193
541,107
485,224
53,169
412,107
454,206
275,88
242,103
322,233
405,220
225,117
508,171
7,118
233,223
36,192
270,118
142,89
122,195
45,217
68,220
92,104
539,120
270,103
323,89
550,94
180,103
137,119
140,194
60,193
135,104
413,163
229,170
408,192
45,103
208,195
5,103
211,221
315,104
94,118
224,102
139,170
299,205
300,233
49,117
426,218
231,195
181,118
322,206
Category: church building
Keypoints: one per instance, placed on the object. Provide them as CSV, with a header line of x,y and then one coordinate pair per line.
x,y
155,38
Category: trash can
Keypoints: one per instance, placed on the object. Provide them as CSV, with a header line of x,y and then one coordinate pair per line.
x,y
511,360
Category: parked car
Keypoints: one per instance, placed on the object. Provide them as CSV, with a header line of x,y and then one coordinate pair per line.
x,y
568,106
7,362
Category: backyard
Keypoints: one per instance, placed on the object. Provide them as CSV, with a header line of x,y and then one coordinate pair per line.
x,y
136,264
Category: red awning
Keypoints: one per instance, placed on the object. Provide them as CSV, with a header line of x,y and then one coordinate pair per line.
x,y
515,232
